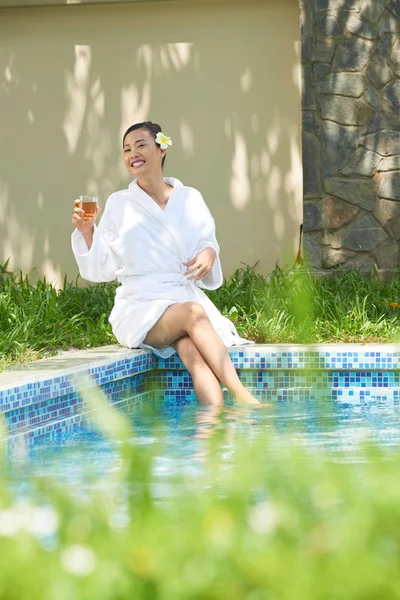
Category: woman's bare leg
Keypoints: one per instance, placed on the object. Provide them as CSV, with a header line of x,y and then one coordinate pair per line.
x,y
190,319
206,385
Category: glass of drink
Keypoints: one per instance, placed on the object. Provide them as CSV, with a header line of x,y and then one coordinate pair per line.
x,y
89,205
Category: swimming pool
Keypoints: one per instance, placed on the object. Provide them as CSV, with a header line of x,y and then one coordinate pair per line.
x,y
227,496
327,398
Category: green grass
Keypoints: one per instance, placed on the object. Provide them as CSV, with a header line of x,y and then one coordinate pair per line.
x,y
260,522
38,320
288,306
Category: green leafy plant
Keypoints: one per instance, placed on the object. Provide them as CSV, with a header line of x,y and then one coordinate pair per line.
x,y
37,320
288,306
293,306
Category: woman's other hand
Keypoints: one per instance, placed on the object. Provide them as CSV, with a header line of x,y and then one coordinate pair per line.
x,y
200,266
82,225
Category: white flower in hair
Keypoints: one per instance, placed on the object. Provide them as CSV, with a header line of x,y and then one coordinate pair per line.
x,y
163,140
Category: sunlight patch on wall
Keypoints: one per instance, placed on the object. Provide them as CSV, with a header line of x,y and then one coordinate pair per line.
x,y
296,71
164,59
246,80
77,84
26,242
19,244
52,273
272,137
294,178
240,184
279,225
187,139
46,245
98,145
40,201
145,56
180,54
273,187
97,99
8,253
135,105
10,74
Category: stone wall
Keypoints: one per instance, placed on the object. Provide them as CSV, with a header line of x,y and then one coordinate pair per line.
x,y
351,133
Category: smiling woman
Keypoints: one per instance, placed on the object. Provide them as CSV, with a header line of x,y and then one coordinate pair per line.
x,y
136,146
234,116
158,239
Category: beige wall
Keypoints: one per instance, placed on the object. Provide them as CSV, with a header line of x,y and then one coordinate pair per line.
x,y
223,80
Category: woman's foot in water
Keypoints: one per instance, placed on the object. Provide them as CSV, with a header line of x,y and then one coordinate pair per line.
x,y
245,398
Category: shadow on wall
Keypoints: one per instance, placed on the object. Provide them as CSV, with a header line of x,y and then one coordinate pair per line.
x,y
222,79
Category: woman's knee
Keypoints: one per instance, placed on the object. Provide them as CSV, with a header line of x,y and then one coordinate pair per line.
x,y
188,352
194,312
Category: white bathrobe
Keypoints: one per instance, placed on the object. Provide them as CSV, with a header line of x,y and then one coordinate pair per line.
x,y
144,247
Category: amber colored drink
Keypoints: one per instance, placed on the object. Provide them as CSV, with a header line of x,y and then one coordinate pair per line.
x,y
89,205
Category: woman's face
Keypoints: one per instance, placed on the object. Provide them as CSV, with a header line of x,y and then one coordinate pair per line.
x,y
142,156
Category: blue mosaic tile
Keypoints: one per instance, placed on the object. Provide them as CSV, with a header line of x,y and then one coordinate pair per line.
x,y
265,379
26,437
357,375
33,392
69,404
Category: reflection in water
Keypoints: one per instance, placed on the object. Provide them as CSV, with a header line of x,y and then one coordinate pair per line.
x,y
85,458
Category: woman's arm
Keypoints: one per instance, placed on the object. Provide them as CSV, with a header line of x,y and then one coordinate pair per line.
x,y
88,237
94,249
204,248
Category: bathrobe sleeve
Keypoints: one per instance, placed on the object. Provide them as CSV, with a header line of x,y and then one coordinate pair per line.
x,y
101,262
205,237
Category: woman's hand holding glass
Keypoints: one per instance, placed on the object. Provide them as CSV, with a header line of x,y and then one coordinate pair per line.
x,y
83,220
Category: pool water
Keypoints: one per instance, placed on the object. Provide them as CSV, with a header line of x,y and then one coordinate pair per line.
x,y
86,457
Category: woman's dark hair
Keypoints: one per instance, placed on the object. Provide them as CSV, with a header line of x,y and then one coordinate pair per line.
x,y
153,128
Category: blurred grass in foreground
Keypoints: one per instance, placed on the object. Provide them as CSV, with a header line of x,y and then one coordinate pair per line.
x,y
266,522
288,306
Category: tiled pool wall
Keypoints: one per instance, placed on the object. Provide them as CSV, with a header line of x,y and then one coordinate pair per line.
x,y
51,405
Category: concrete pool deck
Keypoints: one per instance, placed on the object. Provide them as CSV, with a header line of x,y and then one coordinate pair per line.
x,y
65,361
